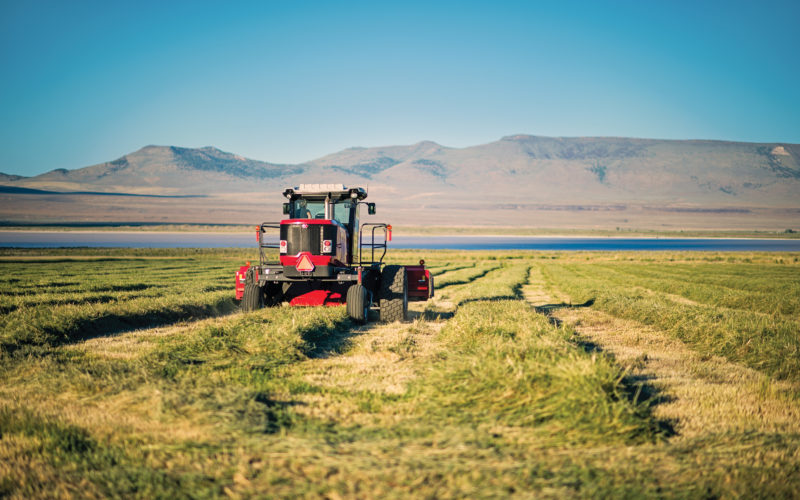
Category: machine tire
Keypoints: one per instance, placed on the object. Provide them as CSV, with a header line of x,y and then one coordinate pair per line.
x,y
358,303
272,295
394,294
253,297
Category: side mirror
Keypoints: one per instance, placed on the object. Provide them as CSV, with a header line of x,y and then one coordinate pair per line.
x,y
371,208
285,208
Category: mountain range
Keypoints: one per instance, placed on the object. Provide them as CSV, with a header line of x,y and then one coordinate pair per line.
x,y
518,178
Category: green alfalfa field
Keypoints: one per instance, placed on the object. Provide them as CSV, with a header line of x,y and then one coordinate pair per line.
x,y
131,373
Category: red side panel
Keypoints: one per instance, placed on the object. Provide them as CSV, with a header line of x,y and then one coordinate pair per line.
x,y
241,274
419,283
318,298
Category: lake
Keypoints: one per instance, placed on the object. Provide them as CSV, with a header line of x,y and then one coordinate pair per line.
x,y
142,239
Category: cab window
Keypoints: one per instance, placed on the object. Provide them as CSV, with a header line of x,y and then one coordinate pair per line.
x,y
341,211
305,209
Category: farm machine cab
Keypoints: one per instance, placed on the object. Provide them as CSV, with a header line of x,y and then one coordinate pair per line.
x,y
326,257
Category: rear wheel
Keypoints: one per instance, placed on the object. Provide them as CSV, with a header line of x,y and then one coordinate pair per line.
x,y
394,294
358,303
253,297
272,295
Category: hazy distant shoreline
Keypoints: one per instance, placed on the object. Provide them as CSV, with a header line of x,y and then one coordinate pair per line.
x,y
415,231
498,243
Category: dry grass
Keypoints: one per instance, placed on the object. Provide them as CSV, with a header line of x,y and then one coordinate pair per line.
x,y
727,418
705,392
479,396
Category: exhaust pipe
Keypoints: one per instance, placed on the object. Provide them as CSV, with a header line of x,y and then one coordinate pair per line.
x,y
328,207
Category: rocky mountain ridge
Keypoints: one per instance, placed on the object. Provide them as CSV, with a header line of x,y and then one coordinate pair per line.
x,y
518,174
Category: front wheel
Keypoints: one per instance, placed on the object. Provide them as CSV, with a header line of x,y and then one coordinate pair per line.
x,y
253,297
358,303
394,294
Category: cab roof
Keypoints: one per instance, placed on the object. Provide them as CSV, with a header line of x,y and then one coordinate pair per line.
x,y
336,192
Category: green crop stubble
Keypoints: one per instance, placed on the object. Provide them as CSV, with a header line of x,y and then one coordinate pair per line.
x,y
236,374
773,291
529,373
52,303
49,458
216,382
494,282
497,390
464,275
508,365
500,401
766,342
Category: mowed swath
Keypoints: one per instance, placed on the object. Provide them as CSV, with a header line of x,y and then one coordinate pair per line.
x,y
747,315
54,302
134,375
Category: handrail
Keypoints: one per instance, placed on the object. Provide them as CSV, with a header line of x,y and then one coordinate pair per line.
x,y
261,245
372,245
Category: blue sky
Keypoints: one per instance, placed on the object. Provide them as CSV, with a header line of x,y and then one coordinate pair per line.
x,y
86,82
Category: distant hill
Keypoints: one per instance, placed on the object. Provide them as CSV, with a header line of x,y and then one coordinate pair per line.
x,y
517,178
580,170
24,190
9,177
160,170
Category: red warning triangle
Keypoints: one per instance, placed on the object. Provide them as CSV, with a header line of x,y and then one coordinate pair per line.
x,y
304,263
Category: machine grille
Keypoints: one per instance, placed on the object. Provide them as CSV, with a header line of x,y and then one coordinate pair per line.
x,y
307,239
